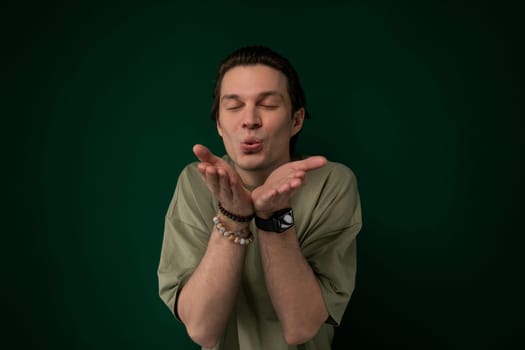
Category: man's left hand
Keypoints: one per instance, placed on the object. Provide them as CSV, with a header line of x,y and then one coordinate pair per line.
x,y
278,188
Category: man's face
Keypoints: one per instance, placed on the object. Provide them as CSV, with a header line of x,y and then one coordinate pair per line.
x,y
255,117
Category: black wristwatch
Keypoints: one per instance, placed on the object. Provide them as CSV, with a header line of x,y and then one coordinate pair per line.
x,y
279,222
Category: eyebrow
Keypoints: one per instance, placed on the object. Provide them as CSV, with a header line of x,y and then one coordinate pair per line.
x,y
259,96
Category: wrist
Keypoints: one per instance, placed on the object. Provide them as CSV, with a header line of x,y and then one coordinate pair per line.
x,y
269,212
264,214
232,224
235,216
242,236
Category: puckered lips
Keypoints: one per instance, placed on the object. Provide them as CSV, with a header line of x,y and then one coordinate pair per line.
x,y
251,145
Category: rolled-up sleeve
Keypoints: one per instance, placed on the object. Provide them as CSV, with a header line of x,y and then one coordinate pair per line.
x,y
329,241
186,232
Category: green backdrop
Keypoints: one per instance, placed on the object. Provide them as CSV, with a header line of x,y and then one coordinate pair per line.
x,y
102,104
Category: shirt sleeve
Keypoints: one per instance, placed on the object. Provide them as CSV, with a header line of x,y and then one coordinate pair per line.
x,y
328,241
188,224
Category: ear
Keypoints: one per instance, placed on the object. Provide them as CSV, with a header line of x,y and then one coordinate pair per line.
x,y
298,119
219,129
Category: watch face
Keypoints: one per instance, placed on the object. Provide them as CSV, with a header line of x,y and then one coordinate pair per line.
x,y
285,220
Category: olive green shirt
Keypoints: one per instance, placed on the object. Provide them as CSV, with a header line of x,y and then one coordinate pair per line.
x,y
327,215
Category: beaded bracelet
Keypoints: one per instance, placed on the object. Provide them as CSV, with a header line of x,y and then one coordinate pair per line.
x,y
233,216
242,237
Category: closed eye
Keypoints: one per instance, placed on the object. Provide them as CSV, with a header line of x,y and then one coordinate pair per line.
x,y
269,106
233,108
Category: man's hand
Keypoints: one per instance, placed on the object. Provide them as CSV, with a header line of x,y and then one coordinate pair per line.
x,y
223,182
278,188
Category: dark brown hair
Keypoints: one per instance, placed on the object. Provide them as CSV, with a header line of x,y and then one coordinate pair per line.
x,y
252,55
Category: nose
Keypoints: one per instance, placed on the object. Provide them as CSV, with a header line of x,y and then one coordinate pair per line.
x,y
251,119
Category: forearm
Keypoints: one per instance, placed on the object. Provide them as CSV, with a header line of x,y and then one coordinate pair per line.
x,y
292,285
206,301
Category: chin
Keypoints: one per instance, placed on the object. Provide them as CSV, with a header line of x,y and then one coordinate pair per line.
x,y
250,162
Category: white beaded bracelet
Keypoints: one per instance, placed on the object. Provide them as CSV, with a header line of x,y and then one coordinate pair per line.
x,y
242,237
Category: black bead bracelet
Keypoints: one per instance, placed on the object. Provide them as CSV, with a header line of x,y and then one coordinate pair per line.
x,y
234,217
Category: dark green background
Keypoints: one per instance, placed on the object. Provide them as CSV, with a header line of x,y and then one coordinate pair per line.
x,y
102,105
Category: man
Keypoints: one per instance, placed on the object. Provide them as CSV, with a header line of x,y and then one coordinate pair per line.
x,y
254,256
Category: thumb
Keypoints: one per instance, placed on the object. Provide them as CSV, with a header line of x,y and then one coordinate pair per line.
x,y
204,154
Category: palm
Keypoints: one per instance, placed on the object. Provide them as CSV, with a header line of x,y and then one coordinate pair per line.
x,y
223,182
278,188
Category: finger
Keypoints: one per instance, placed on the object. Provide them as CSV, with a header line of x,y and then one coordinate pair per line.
x,y
236,187
296,183
289,186
284,188
225,188
212,180
204,154
270,195
202,168
310,163
299,175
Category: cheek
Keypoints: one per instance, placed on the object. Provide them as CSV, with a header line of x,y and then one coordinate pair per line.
x,y
224,128
283,132
227,136
287,127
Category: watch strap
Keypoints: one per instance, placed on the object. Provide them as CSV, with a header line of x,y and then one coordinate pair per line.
x,y
279,222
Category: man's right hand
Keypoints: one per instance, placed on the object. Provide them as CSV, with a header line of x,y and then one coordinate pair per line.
x,y
223,182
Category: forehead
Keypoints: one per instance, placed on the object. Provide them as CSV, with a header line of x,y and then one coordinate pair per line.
x,y
253,80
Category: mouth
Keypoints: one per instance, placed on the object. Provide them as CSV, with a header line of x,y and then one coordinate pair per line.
x,y
251,145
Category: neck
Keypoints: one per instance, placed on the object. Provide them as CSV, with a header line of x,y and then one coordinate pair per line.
x,y
253,178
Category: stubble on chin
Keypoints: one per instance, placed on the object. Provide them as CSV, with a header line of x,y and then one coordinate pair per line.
x,y
249,166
